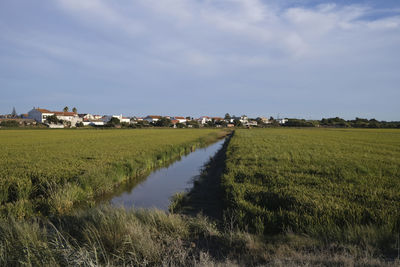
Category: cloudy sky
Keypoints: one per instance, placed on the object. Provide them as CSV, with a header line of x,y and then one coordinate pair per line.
x,y
296,58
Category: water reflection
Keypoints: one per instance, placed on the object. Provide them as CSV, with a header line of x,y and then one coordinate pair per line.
x,y
156,190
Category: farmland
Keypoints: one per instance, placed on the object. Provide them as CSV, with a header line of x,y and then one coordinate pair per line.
x,y
276,196
48,172
337,185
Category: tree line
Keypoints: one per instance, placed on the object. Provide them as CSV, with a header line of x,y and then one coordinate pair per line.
x,y
342,123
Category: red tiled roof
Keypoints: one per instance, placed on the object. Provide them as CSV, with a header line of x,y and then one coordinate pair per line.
x,y
62,113
174,121
217,118
43,110
180,118
154,117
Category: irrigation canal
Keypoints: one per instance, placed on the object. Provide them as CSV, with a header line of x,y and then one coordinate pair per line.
x,y
157,189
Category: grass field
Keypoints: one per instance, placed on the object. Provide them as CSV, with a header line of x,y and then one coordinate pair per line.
x,y
48,171
333,184
292,197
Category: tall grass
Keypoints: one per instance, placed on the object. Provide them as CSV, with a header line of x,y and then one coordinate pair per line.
x,y
335,185
106,236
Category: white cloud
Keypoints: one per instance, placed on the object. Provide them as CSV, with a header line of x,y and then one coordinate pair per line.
x,y
99,12
293,32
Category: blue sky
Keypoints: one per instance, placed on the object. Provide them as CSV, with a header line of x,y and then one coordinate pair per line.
x,y
296,58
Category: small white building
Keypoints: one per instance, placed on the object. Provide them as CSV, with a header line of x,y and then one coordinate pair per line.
x,y
180,119
251,123
121,118
282,121
93,123
204,119
125,120
152,118
265,120
243,119
97,117
86,116
71,117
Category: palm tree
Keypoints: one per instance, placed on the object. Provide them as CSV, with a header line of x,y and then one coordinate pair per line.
x,y
74,110
66,109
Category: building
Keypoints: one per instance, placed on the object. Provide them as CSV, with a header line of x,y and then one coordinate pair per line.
x,y
97,117
243,119
125,120
265,120
39,114
119,117
251,123
282,121
93,123
174,122
180,119
86,116
216,119
203,119
152,118
70,117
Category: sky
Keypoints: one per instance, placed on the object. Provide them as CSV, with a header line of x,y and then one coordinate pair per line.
x,y
289,58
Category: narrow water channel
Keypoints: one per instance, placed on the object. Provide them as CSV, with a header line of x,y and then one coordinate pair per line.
x,y
158,188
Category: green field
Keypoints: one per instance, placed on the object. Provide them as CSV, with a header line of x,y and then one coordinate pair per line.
x,y
291,197
328,183
48,171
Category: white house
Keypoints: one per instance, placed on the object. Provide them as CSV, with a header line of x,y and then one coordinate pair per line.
x,y
180,119
204,119
119,117
39,114
152,118
125,119
97,117
265,120
71,117
86,116
93,122
282,121
243,119
251,123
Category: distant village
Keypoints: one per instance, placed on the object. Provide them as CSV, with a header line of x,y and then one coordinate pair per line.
x,y
71,118
41,117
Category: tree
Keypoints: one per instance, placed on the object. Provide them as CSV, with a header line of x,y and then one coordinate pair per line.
x,y
193,123
237,123
227,117
113,122
180,125
163,122
66,109
9,123
13,113
74,110
79,124
52,119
